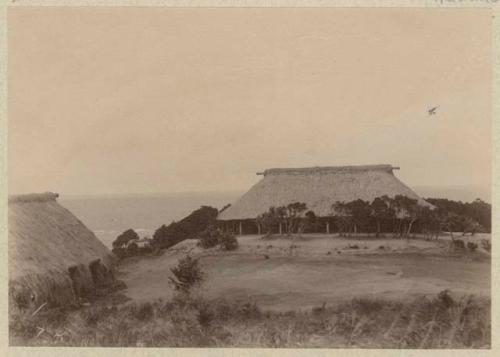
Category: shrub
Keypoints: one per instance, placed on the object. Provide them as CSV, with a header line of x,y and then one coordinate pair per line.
x,y
212,237
458,244
187,274
472,246
486,245
445,298
209,238
228,241
144,312
122,240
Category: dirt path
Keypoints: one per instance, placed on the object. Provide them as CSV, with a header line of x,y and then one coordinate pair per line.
x,y
306,275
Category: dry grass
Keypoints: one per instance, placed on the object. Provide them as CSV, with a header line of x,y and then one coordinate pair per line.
x,y
186,321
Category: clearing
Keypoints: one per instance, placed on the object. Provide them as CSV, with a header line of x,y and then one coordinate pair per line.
x,y
285,273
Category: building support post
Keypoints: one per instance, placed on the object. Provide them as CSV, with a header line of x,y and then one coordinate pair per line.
x,y
241,229
327,227
281,230
258,228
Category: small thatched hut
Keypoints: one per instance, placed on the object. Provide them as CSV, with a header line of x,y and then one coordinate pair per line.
x,y
53,257
317,187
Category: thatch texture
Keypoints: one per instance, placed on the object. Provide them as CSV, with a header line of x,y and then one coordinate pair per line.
x,y
319,188
47,244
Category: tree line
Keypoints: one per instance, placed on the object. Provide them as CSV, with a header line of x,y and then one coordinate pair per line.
x,y
399,215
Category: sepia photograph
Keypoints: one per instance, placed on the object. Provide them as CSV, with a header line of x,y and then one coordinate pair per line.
x,y
250,177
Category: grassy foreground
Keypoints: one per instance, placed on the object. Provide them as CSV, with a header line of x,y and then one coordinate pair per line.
x,y
190,321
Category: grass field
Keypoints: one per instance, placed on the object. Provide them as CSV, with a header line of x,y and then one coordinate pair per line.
x,y
283,273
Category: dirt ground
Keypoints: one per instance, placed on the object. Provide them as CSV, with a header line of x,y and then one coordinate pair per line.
x,y
285,273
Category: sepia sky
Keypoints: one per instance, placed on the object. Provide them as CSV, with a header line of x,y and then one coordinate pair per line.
x,y
126,100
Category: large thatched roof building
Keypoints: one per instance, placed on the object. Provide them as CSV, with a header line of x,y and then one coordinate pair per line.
x,y
318,188
53,257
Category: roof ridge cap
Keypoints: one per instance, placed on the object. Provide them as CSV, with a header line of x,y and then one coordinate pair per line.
x,y
328,169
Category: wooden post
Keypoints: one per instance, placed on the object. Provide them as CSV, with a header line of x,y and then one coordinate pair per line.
x,y
241,229
327,227
281,231
258,228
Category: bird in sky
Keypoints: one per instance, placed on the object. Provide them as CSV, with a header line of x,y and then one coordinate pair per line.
x,y
432,111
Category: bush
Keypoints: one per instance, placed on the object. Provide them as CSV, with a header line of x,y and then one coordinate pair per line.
x,y
144,312
458,244
209,238
187,274
486,244
212,237
122,240
228,241
471,246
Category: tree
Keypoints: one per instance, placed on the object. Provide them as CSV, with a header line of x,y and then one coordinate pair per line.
x,y
381,210
477,210
269,219
123,239
189,227
407,212
293,214
360,212
310,222
343,217
429,222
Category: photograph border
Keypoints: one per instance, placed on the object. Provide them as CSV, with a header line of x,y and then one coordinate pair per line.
x,y
494,5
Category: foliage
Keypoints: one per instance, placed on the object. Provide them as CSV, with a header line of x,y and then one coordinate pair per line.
x,y
228,241
381,209
403,216
343,217
293,217
472,246
187,274
122,240
209,238
360,213
189,227
486,244
213,236
477,211
270,219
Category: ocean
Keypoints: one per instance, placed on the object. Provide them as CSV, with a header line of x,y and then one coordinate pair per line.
x,y
108,216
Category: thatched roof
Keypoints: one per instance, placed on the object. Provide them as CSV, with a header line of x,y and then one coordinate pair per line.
x,y
319,188
45,240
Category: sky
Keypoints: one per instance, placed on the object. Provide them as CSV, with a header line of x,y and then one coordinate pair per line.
x,y
145,100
